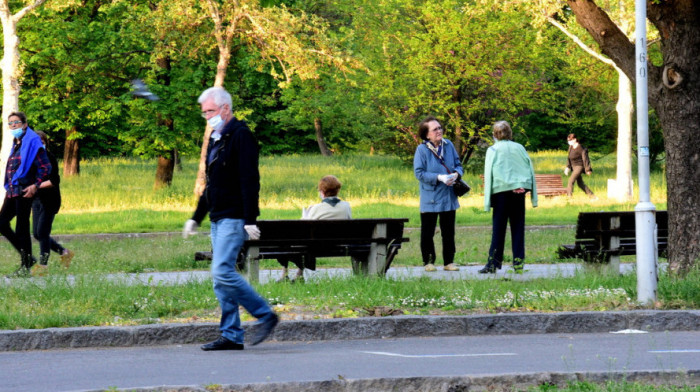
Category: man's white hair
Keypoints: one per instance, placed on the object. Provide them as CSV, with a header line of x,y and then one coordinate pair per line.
x,y
218,94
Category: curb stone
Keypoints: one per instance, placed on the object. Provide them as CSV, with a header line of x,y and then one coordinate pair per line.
x,y
359,328
507,382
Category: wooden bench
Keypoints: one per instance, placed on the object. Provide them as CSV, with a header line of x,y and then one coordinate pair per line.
x,y
370,243
601,237
547,184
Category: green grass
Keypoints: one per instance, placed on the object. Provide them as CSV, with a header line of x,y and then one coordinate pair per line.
x,y
116,195
618,386
92,299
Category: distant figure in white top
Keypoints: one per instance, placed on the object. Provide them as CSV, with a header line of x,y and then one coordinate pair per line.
x,y
330,207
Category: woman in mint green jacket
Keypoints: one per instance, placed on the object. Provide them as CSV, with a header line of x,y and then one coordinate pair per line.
x,y
508,175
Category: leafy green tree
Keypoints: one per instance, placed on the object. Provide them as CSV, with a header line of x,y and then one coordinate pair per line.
x,y
287,43
469,65
674,93
79,63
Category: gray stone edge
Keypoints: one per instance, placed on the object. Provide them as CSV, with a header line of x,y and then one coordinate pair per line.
x,y
359,328
505,382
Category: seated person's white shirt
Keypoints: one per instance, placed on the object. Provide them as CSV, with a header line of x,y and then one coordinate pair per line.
x,y
324,210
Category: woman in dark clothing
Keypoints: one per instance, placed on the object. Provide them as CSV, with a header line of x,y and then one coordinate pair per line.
x,y
578,163
44,209
27,168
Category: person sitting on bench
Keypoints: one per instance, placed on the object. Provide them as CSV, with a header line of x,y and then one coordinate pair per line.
x,y
330,207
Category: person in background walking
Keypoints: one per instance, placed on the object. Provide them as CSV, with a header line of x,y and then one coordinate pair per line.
x,y
577,164
27,167
436,165
231,197
508,175
44,209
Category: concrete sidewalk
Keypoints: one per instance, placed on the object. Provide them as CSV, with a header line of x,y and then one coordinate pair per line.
x,y
532,271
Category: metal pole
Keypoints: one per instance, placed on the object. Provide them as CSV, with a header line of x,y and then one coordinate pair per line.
x,y
645,212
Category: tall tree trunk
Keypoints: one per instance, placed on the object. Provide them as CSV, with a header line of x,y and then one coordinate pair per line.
x,y
164,171
10,84
166,164
623,182
71,155
325,151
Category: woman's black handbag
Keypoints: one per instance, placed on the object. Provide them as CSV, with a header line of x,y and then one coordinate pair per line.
x,y
460,187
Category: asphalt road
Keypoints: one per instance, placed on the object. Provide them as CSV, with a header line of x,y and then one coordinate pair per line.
x,y
275,362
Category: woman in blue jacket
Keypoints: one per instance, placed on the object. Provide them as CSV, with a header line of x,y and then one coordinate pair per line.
x,y
437,166
508,175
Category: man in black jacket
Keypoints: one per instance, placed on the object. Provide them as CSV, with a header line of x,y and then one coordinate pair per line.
x,y
231,197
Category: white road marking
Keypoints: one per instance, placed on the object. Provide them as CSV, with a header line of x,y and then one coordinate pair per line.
x,y
630,331
437,355
673,351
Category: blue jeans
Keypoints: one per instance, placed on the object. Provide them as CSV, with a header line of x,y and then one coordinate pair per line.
x,y
230,288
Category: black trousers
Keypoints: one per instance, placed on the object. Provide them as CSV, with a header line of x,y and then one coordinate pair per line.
x,y
19,207
507,207
428,221
577,177
42,220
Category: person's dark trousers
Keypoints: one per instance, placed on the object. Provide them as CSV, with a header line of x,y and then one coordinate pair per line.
x,y
507,207
428,221
19,207
577,176
42,220
298,260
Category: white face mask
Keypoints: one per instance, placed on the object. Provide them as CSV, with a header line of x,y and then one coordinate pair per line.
x,y
216,122
572,142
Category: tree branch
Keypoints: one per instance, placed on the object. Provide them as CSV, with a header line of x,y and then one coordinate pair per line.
x,y
579,42
27,9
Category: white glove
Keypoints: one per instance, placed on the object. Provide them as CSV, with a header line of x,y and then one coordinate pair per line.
x,y
253,231
566,171
447,179
190,228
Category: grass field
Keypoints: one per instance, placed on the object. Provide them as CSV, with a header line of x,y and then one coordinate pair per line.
x,y
117,196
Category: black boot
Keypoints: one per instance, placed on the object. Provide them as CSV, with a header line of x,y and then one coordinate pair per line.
x,y
27,261
518,266
491,266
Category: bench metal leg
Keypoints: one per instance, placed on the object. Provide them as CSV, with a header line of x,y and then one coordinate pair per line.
x,y
252,265
377,252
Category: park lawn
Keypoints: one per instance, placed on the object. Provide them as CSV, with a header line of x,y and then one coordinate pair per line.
x,y
116,195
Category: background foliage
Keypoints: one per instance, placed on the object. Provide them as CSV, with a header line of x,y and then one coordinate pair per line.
x,y
468,62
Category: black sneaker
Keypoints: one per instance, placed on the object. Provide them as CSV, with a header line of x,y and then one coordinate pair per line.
x,y
222,344
264,329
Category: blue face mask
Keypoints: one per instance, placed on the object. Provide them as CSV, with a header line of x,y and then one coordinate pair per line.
x,y
17,132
